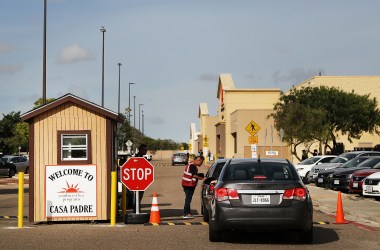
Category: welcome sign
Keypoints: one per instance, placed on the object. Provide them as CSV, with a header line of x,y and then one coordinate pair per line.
x,y
70,191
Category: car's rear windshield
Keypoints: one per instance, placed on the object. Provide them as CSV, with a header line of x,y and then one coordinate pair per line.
x,y
259,171
310,161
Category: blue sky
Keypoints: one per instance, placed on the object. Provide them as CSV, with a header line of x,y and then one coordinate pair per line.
x,y
174,51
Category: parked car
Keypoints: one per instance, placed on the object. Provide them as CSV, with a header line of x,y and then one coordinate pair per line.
x,y
341,178
179,158
7,169
305,166
21,162
214,172
257,194
371,185
342,158
356,181
323,177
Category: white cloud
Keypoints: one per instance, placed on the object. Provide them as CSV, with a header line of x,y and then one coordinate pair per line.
x,y
74,53
11,68
296,75
6,48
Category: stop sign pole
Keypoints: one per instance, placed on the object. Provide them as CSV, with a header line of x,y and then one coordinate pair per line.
x,y
137,174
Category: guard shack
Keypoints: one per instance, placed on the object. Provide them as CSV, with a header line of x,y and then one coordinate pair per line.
x,y
72,144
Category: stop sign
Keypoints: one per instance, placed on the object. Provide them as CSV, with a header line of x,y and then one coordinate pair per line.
x,y
137,174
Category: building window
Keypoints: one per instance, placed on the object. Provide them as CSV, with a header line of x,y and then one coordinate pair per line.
x,y
74,147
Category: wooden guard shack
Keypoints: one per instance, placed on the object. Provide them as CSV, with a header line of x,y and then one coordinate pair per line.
x,y
72,145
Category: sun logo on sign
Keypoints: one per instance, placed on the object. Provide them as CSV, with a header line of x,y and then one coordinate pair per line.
x,y
71,189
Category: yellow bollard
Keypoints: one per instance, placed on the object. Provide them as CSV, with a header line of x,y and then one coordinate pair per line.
x,y
113,197
20,217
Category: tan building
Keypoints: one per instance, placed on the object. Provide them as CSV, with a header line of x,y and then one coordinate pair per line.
x,y
244,111
206,137
362,85
241,127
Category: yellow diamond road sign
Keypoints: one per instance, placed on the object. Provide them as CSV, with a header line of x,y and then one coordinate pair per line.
x,y
252,128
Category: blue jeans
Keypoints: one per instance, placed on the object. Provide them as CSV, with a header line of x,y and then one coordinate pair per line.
x,y
189,191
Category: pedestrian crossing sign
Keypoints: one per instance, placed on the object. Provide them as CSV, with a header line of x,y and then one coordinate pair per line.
x,y
252,128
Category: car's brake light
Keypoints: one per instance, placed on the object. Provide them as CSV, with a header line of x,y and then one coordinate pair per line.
x,y
295,194
259,177
223,194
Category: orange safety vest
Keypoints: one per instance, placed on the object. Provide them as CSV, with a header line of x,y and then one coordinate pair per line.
x,y
187,179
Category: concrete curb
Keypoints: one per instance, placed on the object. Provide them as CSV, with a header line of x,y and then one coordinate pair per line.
x,y
355,208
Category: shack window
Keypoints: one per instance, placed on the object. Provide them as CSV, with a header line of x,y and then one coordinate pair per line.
x,y
74,146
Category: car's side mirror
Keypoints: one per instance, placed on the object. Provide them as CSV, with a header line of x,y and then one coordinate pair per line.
x,y
209,180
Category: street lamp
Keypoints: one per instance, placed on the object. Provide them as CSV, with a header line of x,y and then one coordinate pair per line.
x,y
129,103
103,30
44,59
134,111
142,121
139,115
118,99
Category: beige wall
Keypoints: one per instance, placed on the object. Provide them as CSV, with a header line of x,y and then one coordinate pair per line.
x,y
254,99
240,119
208,129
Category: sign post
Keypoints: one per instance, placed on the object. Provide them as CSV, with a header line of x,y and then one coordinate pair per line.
x,y
137,174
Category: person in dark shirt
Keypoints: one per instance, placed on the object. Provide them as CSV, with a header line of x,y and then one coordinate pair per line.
x,y
189,182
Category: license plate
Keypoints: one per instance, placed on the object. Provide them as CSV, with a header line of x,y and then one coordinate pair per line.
x,y
320,180
336,182
368,189
261,199
355,184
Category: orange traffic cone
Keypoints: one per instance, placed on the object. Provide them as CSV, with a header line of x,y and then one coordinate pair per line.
x,y
154,211
339,211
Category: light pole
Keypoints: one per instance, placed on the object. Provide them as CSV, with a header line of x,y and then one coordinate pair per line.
x,y
134,111
44,59
140,115
129,103
103,30
118,99
142,121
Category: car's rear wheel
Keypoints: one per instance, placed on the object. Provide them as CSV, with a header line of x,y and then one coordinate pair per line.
x,y
12,172
306,237
26,170
213,235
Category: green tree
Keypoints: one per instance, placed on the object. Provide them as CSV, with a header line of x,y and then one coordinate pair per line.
x,y
127,132
318,114
7,125
20,140
39,102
